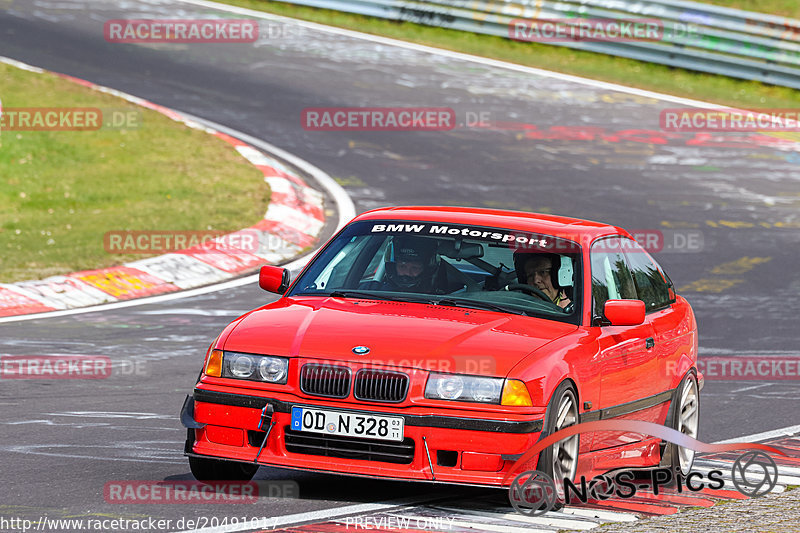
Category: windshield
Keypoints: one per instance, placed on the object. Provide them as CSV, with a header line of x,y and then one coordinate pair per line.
x,y
449,264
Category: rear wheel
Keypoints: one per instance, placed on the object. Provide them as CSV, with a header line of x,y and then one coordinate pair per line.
x,y
686,419
204,469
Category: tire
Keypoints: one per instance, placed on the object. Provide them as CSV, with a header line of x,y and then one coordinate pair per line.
x,y
560,460
686,419
204,469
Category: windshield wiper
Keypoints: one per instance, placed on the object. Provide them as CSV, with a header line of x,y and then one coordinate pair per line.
x,y
473,304
373,296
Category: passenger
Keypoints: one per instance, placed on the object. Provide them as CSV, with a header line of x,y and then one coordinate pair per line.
x,y
411,265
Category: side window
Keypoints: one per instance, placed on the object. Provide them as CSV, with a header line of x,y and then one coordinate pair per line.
x,y
611,277
651,284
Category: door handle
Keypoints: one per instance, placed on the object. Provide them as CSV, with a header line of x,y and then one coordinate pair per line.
x,y
649,343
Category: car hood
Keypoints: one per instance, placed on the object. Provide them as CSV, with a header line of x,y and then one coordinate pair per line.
x,y
398,334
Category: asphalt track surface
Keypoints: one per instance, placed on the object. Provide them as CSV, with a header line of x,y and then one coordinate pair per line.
x,y
62,441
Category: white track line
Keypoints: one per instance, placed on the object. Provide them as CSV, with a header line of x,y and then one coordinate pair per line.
x,y
280,153
550,519
310,516
347,211
345,207
791,471
479,526
453,521
781,432
455,55
600,514
782,481
344,202
726,473
140,301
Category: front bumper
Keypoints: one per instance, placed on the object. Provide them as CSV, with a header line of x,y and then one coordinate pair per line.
x,y
438,446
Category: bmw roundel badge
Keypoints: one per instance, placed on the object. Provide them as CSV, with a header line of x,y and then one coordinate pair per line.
x,y
361,350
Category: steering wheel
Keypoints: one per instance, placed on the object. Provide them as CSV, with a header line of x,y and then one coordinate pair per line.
x,y
528,289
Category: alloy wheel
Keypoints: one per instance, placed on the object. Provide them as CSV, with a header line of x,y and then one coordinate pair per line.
x,y
688,421
565,452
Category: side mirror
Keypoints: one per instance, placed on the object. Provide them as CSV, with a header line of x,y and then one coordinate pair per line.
x,y
624,312
273,279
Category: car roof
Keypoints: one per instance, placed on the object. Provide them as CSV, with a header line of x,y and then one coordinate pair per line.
x,y
567,227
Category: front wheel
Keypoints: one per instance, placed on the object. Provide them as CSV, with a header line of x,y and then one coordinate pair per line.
x,y
686,419
560,461
204,469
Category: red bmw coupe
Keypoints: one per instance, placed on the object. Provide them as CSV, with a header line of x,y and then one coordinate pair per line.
x,y
439,344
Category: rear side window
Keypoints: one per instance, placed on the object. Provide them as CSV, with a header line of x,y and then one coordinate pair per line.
x,y
611,276
651,283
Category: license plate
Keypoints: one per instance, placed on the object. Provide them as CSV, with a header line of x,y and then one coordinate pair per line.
x,y
362,425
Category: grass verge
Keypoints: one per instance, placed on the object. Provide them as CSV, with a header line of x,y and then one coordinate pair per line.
x,y
781,8
60,191
675,81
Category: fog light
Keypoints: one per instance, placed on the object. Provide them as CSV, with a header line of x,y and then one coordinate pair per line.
x,y
482,462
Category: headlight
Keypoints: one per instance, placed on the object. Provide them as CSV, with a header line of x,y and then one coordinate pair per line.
x,y
242,366
272,369
255,367
464,388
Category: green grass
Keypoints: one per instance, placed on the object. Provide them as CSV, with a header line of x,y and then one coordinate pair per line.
x,y
61,191
679,82
783,8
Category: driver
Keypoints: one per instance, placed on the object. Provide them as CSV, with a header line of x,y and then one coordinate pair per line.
x,y
540,272
410,264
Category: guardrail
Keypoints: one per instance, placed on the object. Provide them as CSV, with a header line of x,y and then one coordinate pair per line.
x,y
695,36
